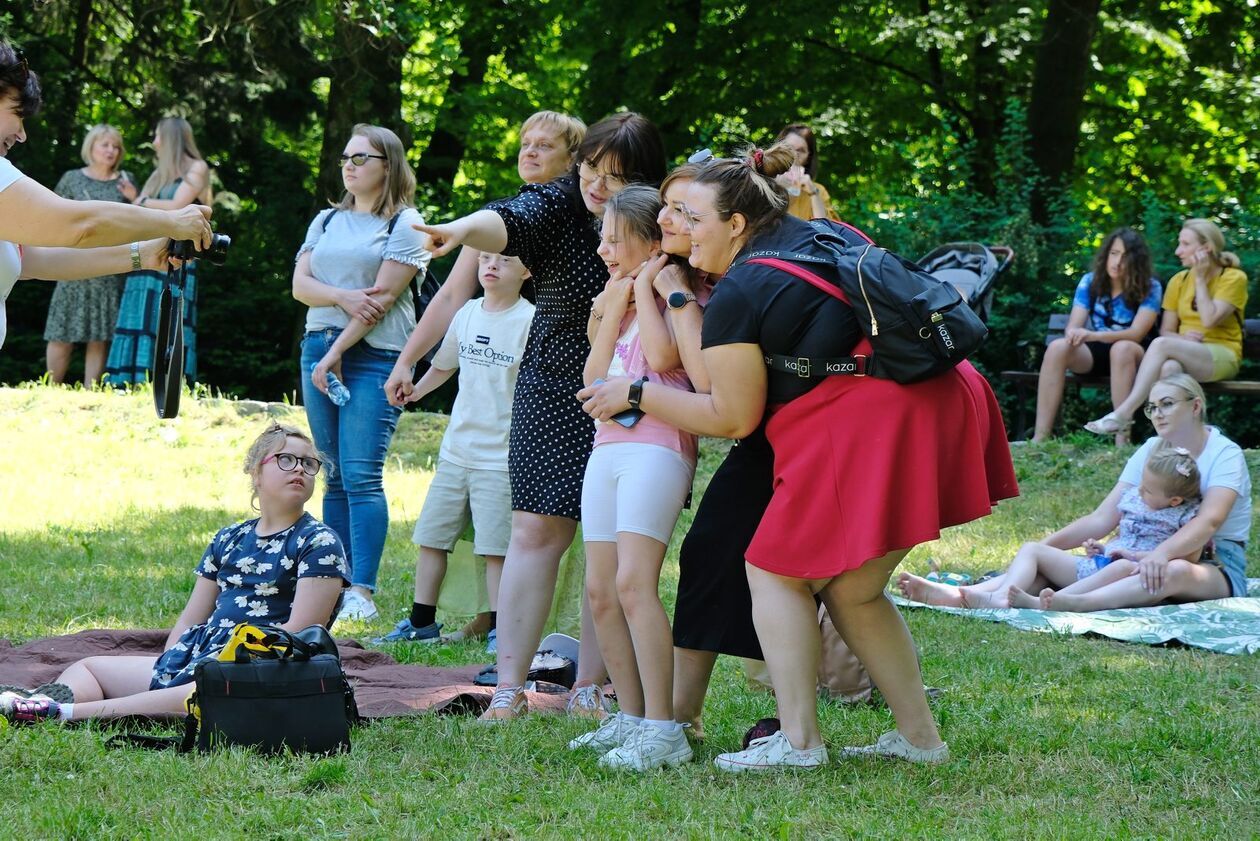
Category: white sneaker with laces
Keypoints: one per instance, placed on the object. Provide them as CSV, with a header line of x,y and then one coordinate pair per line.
x,y
506,704
772,752
611,733
649,747
893,745
356,607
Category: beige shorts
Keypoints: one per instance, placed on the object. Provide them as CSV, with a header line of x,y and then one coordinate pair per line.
x,y
1225,363
457,494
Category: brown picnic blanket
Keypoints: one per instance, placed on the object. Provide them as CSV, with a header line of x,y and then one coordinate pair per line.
x,y
383,687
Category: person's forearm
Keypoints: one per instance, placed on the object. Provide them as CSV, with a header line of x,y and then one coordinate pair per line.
x,y
314,293
185,621
654,337
1188,540
692,412
602,348
79,224
432,380
1074,534
687,323
51,263
349,337
484,231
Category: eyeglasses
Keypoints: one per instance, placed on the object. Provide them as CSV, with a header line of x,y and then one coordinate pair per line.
x,y
359,159
691,219
289,462
1163,407
701,157
611,182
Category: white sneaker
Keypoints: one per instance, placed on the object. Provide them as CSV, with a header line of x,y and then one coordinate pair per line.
x,y
893,745
649,747
611,733
772,752
356,607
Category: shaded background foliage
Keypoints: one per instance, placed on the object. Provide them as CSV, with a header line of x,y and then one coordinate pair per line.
x,y
1036,124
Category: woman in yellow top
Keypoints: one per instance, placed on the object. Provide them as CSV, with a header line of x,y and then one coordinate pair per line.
x,y
1202,328
806,199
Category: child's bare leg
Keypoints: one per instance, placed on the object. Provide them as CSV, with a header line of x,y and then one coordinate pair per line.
x,y
430,570
1112,572
638,585
615,643
494,574
169,701
96,678
1183,581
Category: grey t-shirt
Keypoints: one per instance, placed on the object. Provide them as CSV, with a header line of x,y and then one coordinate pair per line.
x,y
349,255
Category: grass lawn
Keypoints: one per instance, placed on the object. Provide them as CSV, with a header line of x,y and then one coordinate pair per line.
x,y
104,512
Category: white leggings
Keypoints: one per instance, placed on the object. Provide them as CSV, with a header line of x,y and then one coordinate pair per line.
x,y
637,488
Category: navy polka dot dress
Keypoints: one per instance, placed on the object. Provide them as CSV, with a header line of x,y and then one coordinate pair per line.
x,y
555,236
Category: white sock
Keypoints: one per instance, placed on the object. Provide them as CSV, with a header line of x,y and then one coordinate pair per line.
x,y
634,719
64,711
664,724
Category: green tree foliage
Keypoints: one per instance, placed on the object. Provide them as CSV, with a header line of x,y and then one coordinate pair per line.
x,y
938,119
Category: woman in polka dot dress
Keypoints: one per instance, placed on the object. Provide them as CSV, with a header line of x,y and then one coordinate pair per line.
x,y
554,229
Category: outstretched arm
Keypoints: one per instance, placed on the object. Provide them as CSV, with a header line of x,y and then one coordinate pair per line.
x,y
32,215
47,263
1101,521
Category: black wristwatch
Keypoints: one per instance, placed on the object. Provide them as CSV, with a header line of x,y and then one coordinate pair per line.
x,y
678,300
636,391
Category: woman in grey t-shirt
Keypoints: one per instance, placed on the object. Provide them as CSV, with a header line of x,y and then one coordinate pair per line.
x,y
353,271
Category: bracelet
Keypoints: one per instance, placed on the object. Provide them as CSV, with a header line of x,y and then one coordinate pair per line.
x,y
135,257
596,315
143,200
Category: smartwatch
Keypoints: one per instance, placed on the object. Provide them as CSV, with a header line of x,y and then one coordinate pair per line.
x,y
678,300
636,389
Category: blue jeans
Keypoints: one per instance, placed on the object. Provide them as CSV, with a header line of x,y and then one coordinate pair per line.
x,y
354,439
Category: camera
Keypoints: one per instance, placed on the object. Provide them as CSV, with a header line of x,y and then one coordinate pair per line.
x,y
186,249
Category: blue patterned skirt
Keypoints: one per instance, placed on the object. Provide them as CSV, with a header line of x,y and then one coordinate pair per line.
x,y
135,336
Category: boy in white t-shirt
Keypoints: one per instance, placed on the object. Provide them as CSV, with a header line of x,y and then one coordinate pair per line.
x,y
485,342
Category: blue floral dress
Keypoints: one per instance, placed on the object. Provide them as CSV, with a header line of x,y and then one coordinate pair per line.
x,y
257,577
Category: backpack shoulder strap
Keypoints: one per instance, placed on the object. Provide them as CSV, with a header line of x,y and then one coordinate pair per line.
x,y
328,218
393,220
804,274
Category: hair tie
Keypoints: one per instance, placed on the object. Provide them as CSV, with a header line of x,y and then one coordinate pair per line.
x,y
1181,451
1183,469
757,158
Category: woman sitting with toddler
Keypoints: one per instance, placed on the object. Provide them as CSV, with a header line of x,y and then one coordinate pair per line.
x,y
1159,553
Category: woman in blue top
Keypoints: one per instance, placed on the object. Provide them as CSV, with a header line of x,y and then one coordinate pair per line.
x,y
1113,311
283,567
353,271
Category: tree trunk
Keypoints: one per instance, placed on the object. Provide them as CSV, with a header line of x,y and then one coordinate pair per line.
x,y
445,151
1058,93
365,87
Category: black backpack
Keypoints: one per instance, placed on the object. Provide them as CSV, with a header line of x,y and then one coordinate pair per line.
x,y
422,292
918,326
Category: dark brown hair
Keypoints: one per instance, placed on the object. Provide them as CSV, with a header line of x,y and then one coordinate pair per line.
x,y
633,140
805,133
1137,268
19,81
747,185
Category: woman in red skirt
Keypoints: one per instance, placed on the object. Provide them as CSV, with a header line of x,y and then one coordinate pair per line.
x,y
864,469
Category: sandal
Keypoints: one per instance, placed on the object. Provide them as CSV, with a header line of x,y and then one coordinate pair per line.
x,y
1108,424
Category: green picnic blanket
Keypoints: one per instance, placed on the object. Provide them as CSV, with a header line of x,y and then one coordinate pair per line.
x,y
1226,626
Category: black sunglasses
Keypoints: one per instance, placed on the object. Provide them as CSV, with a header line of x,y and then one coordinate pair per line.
x,y
359,159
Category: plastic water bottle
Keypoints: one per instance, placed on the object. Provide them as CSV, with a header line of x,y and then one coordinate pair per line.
x,y
337,392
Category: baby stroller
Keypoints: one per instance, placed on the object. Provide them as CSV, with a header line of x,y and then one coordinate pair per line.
x,y
972,268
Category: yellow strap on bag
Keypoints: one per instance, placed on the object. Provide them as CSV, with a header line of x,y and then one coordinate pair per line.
x,y
249,637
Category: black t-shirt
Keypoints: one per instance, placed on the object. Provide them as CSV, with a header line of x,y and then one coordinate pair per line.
x,y
760,305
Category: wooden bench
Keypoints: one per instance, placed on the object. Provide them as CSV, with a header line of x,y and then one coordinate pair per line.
x,y
1026,381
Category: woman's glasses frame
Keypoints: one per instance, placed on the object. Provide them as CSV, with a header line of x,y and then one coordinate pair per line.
x,y
288,462
1163,407
359,159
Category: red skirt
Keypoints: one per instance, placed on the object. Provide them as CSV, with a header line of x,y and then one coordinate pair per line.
x,y
865,466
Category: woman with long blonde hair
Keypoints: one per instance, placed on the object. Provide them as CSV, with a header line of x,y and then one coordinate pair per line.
x,y
181,178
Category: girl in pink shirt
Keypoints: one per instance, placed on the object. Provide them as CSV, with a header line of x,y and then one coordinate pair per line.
x,y
637,481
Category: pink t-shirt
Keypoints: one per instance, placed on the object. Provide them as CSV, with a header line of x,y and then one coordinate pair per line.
x,y
628,361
